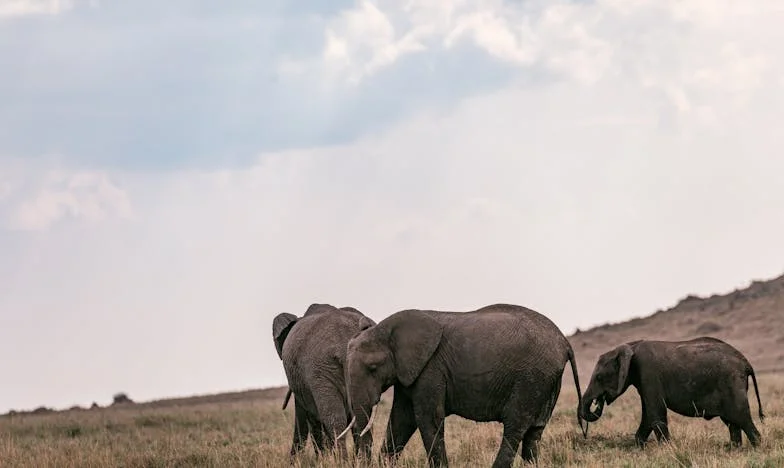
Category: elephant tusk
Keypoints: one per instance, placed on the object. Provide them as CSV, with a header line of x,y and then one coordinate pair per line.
x,y
350,425
369,425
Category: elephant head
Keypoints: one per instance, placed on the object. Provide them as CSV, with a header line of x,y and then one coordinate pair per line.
x,y
609,380
383,355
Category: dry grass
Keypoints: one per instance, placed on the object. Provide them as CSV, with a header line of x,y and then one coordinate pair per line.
x,y
255,432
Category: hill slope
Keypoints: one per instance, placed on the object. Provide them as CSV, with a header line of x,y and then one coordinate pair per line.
x,y
751,319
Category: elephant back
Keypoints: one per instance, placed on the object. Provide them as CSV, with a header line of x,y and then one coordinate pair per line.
x,y
322,334
535,330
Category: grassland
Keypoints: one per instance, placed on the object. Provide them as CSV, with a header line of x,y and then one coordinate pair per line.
x,y
251,430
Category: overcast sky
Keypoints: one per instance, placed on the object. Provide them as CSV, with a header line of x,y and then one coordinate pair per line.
x,y
174,174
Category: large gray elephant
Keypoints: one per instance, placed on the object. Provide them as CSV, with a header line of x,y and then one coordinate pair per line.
x,y
498,363
313,351
703,377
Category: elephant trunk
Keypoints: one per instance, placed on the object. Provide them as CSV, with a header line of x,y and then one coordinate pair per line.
x,y
363,413
585,408
363,433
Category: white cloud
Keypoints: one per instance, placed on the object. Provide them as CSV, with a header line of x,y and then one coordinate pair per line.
x,y
12,8
583,41
33,201
362,40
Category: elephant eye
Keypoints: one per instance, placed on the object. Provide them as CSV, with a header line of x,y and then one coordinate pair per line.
x,y
372,367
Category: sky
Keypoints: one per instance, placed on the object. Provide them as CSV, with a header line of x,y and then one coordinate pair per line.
x,y
175,174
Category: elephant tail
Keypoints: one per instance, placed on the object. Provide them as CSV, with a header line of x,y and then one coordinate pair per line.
x,y
750,371
576,377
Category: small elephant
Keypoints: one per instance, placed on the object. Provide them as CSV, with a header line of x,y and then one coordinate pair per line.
x,y
313,351
498,363
703,377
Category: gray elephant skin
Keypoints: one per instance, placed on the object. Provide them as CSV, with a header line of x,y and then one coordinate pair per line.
x,y
313,351
703,377
498,363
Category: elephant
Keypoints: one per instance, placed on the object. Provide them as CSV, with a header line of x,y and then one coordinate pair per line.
x,y
702,377
501,363
313,351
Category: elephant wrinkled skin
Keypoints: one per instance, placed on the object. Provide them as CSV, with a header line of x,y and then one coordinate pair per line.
x,y
313,351
704,377
498,363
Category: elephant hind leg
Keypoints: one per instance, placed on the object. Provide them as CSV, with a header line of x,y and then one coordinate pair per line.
x,y
301,429
510,442
530,450
752,433
735,432
531,437
747,424
740,416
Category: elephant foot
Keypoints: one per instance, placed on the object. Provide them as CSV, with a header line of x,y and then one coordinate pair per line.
x,y
662,432
640,442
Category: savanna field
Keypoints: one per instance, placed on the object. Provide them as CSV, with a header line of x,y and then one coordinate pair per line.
x,y
250,429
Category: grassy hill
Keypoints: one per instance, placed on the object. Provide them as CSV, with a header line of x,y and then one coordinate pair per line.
x,y
249,428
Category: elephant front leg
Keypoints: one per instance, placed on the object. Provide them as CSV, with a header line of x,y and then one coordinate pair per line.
x,y
642,434
654,417
430,418
319,434
644,430
401,426
661,429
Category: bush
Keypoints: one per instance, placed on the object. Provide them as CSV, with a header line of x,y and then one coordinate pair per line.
x,y
121,398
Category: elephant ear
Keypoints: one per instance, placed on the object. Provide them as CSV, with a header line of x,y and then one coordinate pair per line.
x,y
365,323
415,338
281,326
624,359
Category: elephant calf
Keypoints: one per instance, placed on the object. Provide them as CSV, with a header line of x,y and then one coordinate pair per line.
x,y
499,363
313,351
704,377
